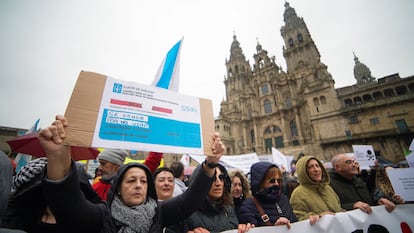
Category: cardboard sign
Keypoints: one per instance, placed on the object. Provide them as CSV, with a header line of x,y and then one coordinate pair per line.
x,y
110,113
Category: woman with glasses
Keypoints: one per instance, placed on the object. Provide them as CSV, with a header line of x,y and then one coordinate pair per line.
x,y
216,213
268,206
314,197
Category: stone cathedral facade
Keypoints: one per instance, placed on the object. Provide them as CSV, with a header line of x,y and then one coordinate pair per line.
x,y
301,111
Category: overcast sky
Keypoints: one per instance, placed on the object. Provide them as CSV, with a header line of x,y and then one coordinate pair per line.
x,y
44,44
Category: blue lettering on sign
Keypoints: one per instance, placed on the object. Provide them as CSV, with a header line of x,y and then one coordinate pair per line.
x,y
117,88
155,130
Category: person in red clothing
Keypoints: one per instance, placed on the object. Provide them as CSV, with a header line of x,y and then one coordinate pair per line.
x,y
109,162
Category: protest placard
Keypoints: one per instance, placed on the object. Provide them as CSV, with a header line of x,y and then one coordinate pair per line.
x,y
110,113
365,155
402,181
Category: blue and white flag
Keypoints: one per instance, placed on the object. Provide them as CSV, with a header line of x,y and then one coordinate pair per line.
x,y
22,159
169,71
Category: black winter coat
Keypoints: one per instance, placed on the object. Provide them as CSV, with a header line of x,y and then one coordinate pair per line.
x,y
79,215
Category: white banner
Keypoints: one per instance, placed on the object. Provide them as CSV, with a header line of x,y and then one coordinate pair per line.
x,y
379,221
241,162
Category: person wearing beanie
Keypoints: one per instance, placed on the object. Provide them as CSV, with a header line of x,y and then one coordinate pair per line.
x,y
109,162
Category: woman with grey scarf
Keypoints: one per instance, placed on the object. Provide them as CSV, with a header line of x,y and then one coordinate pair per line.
x,y
132,204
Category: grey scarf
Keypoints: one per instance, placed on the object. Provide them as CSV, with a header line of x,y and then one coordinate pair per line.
x,y
135,219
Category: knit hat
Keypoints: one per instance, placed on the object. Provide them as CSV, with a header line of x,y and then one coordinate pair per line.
x,y
115,156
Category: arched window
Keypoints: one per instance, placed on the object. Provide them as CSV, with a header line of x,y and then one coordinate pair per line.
x,y
357,100
252,136
401,90
367,98
377,95
316,101
300,38
389,93
265,89
288,102
268,130
267,106
290,42
348,102
276,129
323,100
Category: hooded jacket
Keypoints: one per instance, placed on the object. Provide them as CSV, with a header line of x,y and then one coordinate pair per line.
x,y
312,198
248,210
79,215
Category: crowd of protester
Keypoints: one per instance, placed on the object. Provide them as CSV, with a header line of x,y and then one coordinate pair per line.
x,y
54,193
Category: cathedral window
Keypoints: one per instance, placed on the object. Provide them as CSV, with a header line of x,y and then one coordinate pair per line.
x,y
279,142
293,129
374,121
290,42
348,134
401,90
268,145
389,93
323,100
316,101
353,119
276,129
267,106
357,100
348,102
300,38
288,102
268,131
237,69
252,136
261,63
402,126
265,89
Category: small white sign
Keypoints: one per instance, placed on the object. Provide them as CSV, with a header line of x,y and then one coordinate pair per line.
x,y
402,180
365,155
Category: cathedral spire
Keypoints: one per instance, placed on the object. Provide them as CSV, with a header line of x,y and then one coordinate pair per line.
x,y
362,73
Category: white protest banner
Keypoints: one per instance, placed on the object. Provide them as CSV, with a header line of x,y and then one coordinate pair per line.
x,y
241,162
402,180
379,221
280,159
265,158
365,155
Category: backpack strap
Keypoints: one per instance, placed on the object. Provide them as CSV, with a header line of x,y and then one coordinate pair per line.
x,y
265,218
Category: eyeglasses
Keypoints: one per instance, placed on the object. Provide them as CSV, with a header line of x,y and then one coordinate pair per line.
x,y
273,180
349,161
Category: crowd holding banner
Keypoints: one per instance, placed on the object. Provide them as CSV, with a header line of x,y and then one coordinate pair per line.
x,y
379,221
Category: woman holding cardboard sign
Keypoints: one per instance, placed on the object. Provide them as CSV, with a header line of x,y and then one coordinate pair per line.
x,y
132,204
